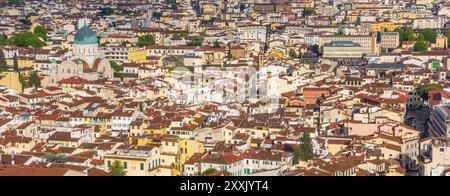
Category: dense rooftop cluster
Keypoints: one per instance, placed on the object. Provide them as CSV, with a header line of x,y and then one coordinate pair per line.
x,y
236,87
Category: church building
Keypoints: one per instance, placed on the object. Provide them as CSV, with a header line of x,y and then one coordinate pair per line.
x,y
86,61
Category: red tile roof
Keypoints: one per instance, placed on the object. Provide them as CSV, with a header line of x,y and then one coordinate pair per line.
x,y
73,80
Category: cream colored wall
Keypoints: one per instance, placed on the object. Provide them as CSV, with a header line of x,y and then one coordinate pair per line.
x,y
11,81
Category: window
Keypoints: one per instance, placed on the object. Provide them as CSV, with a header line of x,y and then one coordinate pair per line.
x,y
109,163
142,166
125,165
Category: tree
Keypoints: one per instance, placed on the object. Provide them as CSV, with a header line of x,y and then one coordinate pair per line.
x,y
27,39
106,11
209,172
448,37
15,63
179,35
105,43
205,22
22,81
379,37
117,169
126,42
420,46
241,7
28,16
308,11
216,44
229,56
314,49
296,157
141,107
401,34
34,80
424,89
146,40
127,11
4,40
292,53
340,32
172,4
116,67
112,25
421,38
25,21
2,59
429,35
41,32
306,148
196,41
157,15
409,34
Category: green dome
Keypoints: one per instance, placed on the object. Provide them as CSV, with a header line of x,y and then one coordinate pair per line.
x,y
85,36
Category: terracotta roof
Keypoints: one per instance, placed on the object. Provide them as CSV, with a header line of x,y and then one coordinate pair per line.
x,y
73,80
32,171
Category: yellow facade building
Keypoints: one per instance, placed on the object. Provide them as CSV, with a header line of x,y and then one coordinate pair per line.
x,y
137,55
188,148
137,160
381,26
308,4
21,62
441,42
352,18
145,128
11,80
25,62
277,53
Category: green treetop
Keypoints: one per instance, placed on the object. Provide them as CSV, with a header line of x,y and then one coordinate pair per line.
x,y
27,39
34,80
424,89
41,32
15,63
196,41
117,169
146,40
429,35
306,148
420,46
